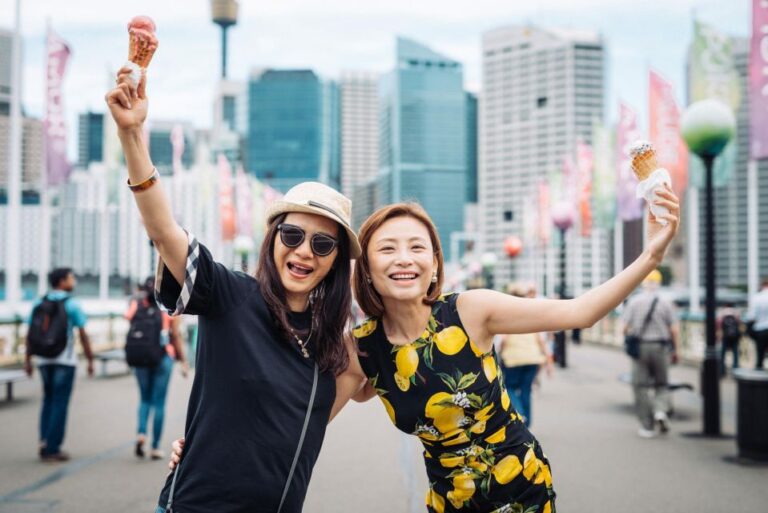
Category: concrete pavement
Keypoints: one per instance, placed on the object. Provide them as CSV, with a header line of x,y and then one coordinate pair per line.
x,y
582,416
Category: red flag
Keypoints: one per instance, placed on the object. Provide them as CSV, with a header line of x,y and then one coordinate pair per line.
x,y
57,166
664,117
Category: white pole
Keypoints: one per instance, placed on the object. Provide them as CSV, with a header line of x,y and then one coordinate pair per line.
x,y
752,229
596,263
618,246
104,233
12,257
693,249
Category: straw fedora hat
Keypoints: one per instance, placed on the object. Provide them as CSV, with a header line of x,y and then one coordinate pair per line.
x,y
319,199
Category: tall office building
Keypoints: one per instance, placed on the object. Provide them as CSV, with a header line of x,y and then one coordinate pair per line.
x,y
90,143
32,154
359,129
229,120
161,135
293,128
731,199
6,52
542,89
423,136
471,148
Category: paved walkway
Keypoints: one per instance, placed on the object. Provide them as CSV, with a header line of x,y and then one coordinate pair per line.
x,y
582,416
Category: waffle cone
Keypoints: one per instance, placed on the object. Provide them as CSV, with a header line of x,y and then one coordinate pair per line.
x,y
644,164
141,47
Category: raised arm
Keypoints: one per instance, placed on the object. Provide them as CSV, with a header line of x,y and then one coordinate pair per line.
x,y
129,110
486,312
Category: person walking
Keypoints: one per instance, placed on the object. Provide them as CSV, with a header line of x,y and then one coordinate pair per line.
x,y
729,328
150,326
757,318
653,319
522,356
50,339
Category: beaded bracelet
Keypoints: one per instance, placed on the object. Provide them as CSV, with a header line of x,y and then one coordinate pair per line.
x,y
146,184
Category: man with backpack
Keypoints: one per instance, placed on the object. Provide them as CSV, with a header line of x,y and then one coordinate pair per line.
x,y
758,322
729,331
50,339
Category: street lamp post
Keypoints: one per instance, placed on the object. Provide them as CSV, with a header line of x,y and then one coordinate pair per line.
x,y
562,217
707,126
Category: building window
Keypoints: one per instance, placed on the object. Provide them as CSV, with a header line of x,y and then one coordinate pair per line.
x,y
508,215
541,102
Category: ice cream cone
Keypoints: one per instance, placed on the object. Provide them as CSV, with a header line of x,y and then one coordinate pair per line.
x,y
644,161
141,47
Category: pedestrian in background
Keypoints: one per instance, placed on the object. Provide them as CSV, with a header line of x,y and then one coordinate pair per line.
x,y
522,356
729,328
758,322
151,325
653,320
51,340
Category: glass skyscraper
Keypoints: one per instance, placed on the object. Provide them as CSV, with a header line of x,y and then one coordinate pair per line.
x,y
293,129
423,136
90,144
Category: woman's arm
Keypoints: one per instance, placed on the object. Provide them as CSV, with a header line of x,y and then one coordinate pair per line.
x,y
486,312
129,110
348,383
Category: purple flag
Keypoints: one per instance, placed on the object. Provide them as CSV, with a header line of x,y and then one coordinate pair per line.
x,y
758,80
55,124
630,208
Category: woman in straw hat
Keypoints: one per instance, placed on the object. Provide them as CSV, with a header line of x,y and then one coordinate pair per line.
x,y
272,366
429,357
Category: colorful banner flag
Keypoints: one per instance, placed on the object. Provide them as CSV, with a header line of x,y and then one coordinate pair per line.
x,y
664,131
584,164
603,177
57,166
177,145
244,203
713,75
758,81
226,199
630,208
545,215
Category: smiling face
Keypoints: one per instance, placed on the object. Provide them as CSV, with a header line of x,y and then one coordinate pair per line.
x,y
299,268
401,259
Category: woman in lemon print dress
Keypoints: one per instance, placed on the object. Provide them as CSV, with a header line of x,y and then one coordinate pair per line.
x,y
429,357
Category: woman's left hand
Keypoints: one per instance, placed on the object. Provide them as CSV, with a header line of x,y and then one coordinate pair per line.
x,y
659,237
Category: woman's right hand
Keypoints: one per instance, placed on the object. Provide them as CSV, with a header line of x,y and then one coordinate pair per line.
x,y
176,452
127,104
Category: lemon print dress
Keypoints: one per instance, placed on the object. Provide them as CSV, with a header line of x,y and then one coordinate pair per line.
x,y
479,455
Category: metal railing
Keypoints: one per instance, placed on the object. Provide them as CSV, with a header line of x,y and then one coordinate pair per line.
x,y
106,331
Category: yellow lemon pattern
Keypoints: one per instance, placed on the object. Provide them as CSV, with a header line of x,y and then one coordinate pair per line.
x,y
443,389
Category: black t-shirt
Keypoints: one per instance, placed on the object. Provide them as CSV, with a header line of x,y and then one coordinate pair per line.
x,y
249,396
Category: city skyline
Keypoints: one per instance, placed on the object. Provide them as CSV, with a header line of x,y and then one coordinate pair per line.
x,y
362,38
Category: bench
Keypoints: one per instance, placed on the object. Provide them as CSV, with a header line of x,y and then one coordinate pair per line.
x,y
9,377
113,355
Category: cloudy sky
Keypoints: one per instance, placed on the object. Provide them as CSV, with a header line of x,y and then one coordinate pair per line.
x,y
336,35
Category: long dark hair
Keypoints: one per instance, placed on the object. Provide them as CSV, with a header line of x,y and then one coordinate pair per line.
x,y
331,301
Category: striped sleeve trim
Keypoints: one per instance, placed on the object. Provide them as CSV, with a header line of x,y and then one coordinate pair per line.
x,y
193,258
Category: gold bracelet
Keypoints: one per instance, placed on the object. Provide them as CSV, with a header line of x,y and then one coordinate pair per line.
x,y
146,184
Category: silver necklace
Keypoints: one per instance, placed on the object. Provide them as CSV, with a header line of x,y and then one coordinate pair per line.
x,y
303,343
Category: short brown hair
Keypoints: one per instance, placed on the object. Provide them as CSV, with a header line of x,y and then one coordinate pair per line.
x,y
367,297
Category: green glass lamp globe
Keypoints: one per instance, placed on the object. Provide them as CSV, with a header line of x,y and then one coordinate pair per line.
x,y
707,126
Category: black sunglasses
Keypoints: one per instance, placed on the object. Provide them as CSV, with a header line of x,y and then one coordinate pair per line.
x,y
292,236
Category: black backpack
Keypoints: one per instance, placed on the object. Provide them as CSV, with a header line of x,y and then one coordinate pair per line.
x,y
49,328
142,344
731,327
